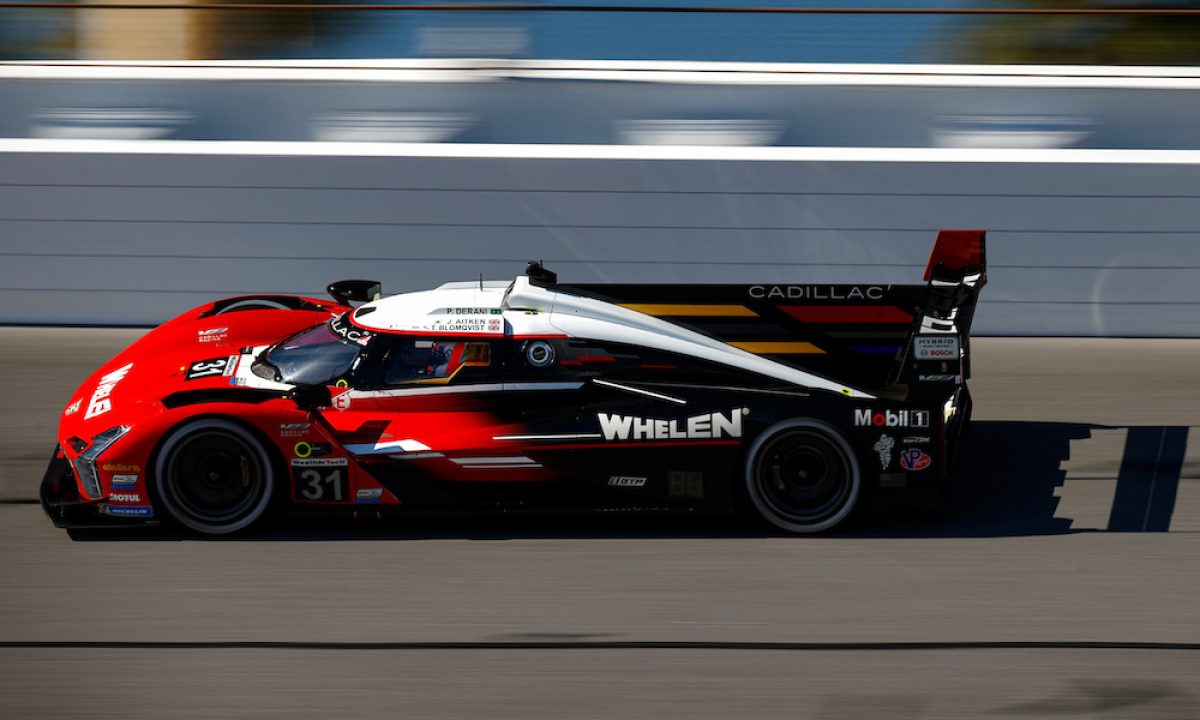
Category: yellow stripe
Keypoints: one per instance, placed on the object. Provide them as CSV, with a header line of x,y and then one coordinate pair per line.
x,y
779,348
673,310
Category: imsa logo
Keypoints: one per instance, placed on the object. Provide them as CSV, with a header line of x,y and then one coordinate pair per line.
x,y
696,427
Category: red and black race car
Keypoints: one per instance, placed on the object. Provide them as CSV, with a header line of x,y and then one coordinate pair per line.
x,y
529,394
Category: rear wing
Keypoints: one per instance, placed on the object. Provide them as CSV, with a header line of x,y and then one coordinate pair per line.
x,y
874,336
940,350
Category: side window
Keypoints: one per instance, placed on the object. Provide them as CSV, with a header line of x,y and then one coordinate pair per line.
x,y
433,361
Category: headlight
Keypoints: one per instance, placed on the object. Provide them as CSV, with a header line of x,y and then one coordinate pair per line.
x,y
85,464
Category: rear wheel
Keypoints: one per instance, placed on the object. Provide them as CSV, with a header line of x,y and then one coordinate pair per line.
x,y
214,477
802,476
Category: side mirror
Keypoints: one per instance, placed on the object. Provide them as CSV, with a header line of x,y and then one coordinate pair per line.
x,y
539,276
346,291
311,397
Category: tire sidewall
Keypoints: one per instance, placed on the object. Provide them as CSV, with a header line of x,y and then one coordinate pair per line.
x,y
254,304
830,433
166,499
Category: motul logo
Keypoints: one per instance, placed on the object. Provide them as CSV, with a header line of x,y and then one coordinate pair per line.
x,y
865,417
708,425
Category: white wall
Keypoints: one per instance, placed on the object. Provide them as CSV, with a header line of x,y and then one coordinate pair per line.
x,y
1102,242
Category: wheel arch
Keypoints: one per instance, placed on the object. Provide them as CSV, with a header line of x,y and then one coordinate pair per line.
x,y
274,454
832,431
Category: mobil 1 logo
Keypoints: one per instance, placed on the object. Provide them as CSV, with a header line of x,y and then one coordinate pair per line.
x,y
320,480
868,417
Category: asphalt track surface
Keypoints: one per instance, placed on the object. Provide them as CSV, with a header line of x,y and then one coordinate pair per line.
x,y
1063,583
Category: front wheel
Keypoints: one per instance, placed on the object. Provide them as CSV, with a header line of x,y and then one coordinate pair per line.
x,y
214,477
251,304
802,476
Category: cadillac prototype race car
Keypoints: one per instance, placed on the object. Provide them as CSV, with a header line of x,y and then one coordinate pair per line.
x,y
800,400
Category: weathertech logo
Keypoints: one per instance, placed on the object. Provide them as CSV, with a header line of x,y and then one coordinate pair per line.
x,y
891,418
708,425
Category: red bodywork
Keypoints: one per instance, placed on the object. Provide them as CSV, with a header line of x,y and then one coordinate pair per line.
x,y
131,388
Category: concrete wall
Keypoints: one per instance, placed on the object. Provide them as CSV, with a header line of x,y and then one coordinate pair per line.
x,y
516,102
1102,242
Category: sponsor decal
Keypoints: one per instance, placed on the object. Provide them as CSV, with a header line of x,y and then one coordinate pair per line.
x,y
467,311
706,425
816,292
489,325
884,446
121,468
320,462
936,347
222,366
100,402
212,335
685,484
909,440
342,326
913,459
127,510
320,480
73,407
865,417
125,497
368,495
305,449
626,481
124,481
342,401
940,378
291,430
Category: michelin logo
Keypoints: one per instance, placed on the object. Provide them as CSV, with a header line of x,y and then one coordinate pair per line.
x,y
127,510
696,427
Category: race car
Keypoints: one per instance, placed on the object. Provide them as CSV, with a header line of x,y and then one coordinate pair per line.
x,y
798,401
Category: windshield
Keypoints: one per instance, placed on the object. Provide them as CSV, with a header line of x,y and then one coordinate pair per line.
x,y
318,355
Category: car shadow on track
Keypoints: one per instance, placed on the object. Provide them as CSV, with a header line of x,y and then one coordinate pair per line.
x,y
1009,481
1042,478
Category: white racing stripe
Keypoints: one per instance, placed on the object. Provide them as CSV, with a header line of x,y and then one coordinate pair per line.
x,y
504,460
406,445
639,391
459,389
564,436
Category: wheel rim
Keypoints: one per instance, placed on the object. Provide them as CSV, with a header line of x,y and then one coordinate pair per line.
x,y
215,478
803,477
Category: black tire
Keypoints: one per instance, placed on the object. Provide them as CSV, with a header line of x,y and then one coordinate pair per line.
x,y
255,304
213,476
802,476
